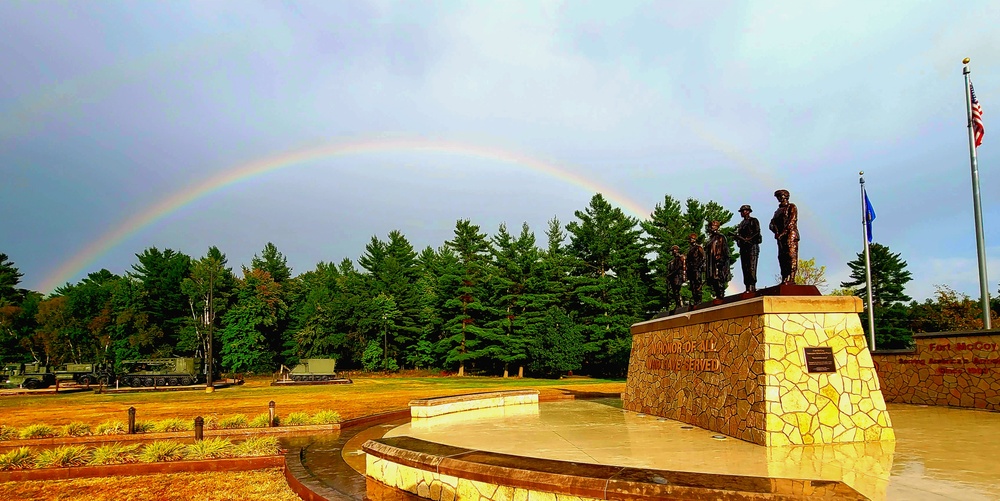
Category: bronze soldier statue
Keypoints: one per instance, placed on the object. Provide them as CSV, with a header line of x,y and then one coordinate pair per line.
x,y
785,225
748,240
675,277
717,261
695,267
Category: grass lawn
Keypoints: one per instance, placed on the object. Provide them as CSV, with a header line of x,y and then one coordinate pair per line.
x,y
366,396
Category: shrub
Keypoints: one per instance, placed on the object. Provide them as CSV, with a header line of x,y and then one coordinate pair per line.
x,y
259,421
17,459
237,421
261,445
76,430
8,432
115,453
326,417
67,455
207,449
161,450
38,431
296,419
174,424
111,428
144,426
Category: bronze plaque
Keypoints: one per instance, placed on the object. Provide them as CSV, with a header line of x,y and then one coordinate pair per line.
x,y
820,359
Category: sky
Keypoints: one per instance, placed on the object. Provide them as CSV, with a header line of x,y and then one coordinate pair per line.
x,y
318,125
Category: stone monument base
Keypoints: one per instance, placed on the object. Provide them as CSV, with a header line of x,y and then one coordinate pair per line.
x,y
772,370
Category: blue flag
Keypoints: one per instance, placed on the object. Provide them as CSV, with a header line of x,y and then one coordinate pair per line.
x,y
869,215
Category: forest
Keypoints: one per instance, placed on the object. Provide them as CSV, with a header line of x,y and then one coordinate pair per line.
x,y
509,303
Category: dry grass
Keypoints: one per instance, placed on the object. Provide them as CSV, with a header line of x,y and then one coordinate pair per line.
x,y
260,485
365,397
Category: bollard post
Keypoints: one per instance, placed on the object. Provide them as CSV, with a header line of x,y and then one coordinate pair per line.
x,y
131,420
270,412
199,428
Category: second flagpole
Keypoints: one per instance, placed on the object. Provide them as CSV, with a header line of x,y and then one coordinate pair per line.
x,y
868,264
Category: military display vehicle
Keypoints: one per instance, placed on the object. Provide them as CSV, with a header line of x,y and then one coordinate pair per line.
x,y
86,374
311,369
176,371
29,376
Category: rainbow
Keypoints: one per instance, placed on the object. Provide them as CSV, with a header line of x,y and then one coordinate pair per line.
x,y
242,172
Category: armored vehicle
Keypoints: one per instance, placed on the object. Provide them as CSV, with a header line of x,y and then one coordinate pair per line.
x,y
31,376
176,371
312,369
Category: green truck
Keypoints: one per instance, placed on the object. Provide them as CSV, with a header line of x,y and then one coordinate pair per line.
x,y
29,376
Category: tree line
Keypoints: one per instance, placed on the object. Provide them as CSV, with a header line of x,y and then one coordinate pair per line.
x,y
492,304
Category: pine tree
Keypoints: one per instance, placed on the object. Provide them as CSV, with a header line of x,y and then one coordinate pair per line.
x,y
889,279
515,302
889,276
464,312
611,282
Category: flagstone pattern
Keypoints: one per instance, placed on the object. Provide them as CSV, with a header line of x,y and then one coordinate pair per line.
x,y
957,369
740,369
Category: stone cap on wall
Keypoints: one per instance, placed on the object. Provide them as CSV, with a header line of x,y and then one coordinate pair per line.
x,y
932,335
755,306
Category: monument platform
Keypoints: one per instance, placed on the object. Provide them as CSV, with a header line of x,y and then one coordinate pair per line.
x,y
771,370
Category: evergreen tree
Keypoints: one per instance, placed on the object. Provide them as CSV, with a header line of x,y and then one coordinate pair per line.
x,y
889,279
166,305
889,276
515,300
273,262
10,276
611,282
463,311
17,329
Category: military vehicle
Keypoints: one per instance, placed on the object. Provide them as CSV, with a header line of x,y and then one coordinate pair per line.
x,y
311,369
30,376
86,374
175,371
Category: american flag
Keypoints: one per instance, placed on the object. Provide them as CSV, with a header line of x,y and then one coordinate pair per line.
x,y
977,117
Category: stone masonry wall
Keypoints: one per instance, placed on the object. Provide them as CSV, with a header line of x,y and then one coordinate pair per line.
x,y
958,369
740,369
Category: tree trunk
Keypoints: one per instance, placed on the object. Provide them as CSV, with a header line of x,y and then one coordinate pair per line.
x,y
505,372
520,371
461,369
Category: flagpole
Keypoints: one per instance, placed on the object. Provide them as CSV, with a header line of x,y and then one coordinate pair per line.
x,y
984,294
868,264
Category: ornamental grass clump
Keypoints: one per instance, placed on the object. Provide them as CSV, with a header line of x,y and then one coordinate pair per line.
x,y
173,424
67,455
237,421
37,431
326,417
111,428
144,426
261,445
260,421
209,449
116,453
161,451
17,459
8,432
296,419
76,429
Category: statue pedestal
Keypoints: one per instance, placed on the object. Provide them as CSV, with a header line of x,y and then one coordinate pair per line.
x,y
772,370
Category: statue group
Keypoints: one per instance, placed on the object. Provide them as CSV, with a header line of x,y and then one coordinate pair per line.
x,y
710,263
